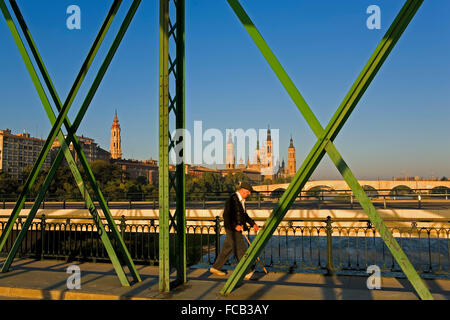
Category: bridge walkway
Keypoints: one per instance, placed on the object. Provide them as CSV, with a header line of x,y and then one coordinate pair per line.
x,y
47,280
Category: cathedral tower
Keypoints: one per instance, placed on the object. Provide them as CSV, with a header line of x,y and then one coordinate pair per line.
x,y
116,147
292,167
269,148
230,153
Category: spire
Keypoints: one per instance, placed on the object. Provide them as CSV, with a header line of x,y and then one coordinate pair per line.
x,y
269,137
230,138
116,148
291,145
116,121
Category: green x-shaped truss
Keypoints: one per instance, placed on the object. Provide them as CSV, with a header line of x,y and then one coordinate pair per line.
x,y
325,144
71,138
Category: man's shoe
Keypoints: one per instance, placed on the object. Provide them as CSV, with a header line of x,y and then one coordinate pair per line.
x,y
249,275
216,272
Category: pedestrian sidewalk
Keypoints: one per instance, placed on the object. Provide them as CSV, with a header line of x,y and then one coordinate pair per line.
x,y
47,279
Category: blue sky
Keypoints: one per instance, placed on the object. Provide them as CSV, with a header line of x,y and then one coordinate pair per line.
x,y
400,125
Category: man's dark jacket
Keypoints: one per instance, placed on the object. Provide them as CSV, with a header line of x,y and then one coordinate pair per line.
x,y
234,214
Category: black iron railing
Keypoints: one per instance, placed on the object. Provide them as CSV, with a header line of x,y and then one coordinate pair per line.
x,y
298,245
322,199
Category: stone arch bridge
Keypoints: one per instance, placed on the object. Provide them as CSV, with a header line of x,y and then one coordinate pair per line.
x,y
381,186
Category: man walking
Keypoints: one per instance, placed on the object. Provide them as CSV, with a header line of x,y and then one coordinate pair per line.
x,y
235,221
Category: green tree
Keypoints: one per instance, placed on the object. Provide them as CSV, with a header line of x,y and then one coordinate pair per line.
x,y
106,172
113,182
232,181
141,180
37,183
211,182
8,186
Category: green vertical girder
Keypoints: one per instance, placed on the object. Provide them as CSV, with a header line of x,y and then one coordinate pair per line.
x,y
166,143
163,189
325,143
71,136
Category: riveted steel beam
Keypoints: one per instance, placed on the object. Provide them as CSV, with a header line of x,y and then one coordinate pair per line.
x,y
168,181
65,150
72,129
164,210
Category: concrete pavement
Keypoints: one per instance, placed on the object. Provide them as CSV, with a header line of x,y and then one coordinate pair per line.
x,y
48,280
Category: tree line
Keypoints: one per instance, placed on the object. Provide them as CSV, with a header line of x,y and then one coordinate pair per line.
x,y
113,182
116,185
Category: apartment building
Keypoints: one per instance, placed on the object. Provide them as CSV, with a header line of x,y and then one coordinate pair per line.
x,y
18,151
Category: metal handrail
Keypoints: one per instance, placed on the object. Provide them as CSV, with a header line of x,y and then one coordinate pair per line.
x,y
321,245
213,219
319,200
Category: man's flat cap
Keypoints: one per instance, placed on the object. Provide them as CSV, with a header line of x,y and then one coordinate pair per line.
x,y
247,186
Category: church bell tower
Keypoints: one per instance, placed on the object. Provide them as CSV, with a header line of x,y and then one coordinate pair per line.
x,y
116,147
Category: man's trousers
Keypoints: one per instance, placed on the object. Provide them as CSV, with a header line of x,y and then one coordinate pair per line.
x,y
233,244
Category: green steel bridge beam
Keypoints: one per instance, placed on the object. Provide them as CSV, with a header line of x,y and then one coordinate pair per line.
x,y
71,136
41,93
65,150
122,248
325,144
163,188
167,104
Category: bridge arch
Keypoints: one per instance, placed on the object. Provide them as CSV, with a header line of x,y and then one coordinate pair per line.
x,y
277,193
370,191
401,190
440,192
316,190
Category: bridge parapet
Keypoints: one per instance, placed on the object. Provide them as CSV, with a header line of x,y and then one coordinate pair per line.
x,y
382,186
